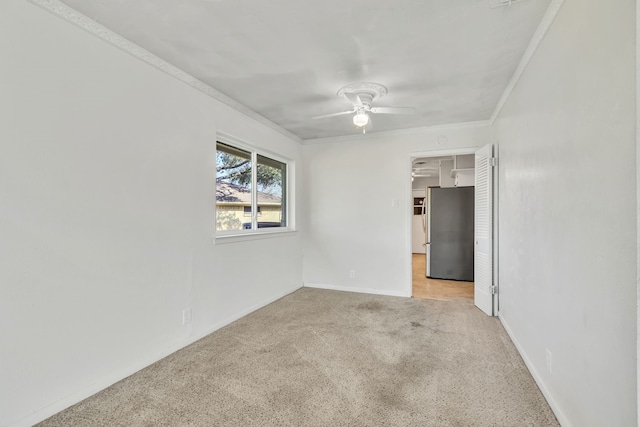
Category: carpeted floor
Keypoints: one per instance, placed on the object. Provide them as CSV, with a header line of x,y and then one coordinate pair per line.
x,y
329,358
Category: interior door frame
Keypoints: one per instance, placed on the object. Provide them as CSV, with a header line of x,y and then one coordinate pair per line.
x,y
409,212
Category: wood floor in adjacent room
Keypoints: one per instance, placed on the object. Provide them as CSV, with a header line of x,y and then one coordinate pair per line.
x,y
443,290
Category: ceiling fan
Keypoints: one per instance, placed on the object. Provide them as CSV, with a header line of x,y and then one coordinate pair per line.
x,y
362,95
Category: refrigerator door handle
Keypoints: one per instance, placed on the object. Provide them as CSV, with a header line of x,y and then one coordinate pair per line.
x,y
424,221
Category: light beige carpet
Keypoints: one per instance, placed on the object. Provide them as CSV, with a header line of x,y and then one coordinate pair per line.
x,y
328,358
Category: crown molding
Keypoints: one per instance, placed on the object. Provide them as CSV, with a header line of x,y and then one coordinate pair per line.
x,y
538,36
74,17
398,132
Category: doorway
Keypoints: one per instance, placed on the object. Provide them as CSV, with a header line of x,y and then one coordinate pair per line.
x,y
442,241
485,234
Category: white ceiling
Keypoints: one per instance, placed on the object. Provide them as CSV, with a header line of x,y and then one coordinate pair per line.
x,y
285,59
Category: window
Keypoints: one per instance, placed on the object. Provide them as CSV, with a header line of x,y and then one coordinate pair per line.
x,y
247,211
248,182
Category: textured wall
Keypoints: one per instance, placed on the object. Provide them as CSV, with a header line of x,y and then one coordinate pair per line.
x,y
568,213
368,235
107,216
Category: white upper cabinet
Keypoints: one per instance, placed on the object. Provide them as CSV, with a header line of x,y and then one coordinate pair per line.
x,y
463,172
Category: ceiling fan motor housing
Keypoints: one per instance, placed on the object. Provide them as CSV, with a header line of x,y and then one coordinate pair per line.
x,y
366,91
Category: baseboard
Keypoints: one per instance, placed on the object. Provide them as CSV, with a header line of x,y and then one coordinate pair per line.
x,y
562,419
354,289
240,315
70,400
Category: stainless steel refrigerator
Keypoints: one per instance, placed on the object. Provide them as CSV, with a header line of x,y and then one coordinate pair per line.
x,y
449,221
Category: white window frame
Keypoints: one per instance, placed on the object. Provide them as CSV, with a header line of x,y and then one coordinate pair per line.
x,y
229,236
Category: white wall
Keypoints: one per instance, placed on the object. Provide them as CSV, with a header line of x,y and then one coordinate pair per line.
x,y
422,182
106,216
351,223
638,203
568,225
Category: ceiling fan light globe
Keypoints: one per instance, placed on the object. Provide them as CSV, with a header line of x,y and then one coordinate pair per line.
x,y
361,119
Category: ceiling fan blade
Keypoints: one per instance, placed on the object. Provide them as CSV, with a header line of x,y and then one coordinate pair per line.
x,y
333,114
354,99
393,110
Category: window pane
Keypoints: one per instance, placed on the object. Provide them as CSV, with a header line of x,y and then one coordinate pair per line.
x,y
272,179
247,211
233,188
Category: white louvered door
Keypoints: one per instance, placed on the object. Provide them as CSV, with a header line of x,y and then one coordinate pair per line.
x,y
483,259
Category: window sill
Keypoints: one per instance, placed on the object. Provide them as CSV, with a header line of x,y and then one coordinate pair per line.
x,y
256,235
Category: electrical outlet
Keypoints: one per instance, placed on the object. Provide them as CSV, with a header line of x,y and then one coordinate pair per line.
x,y
352,274
549,360
395,203
186,316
